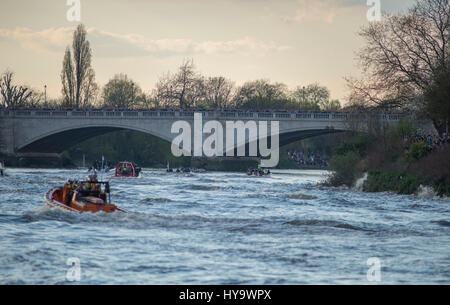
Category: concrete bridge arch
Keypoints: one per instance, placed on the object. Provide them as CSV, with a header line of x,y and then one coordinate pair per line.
x,y
53,131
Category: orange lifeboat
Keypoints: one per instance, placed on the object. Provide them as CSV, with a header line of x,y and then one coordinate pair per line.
x,y
84,196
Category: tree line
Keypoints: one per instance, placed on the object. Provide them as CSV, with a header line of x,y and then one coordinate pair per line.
x,y
405,65
186,88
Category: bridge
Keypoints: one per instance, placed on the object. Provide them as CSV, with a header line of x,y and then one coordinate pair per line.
x,y
42,131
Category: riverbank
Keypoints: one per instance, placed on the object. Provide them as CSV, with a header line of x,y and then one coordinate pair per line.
x,y
65,160
392,163
54,161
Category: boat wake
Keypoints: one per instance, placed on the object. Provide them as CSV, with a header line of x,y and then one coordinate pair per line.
x,y
323,223
159,200
302,196
146,221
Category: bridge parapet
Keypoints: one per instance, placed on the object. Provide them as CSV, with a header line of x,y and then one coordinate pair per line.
x,y
186,114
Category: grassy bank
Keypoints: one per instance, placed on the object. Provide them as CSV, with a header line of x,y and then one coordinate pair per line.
x,y
390,164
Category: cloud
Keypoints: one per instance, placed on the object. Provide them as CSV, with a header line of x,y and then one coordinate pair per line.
x,y
52,39
320,10
108,44
140,45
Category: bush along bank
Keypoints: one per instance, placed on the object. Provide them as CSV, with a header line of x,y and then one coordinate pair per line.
x,y
401,183
399,161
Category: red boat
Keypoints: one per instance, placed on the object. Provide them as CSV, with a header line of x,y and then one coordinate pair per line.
x,y
127,169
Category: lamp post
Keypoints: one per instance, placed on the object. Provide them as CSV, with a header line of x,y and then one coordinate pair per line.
x,y
132,94
303,94
45,96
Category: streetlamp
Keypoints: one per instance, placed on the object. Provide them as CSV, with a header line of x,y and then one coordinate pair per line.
x,y
45,96
132,93
302,104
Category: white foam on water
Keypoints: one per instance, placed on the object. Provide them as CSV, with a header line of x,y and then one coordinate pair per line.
x,y
359,183
427,192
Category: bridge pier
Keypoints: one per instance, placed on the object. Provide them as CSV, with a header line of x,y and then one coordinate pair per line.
x,y
7,137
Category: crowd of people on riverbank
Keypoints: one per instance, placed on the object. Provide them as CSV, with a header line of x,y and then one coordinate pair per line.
x,y
308,159
434,142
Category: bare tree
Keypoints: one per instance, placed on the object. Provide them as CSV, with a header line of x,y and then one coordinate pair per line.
x,y
149,101
330,105
185,80
14,96
245,96
402,55
218,92
181,87
165,92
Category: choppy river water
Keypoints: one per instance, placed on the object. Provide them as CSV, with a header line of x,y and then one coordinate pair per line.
x,y
221,228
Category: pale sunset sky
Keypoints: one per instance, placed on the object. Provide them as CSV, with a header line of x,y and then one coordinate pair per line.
x,y
296,42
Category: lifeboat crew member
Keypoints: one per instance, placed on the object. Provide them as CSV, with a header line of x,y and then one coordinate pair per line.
x,y
91,185
85,186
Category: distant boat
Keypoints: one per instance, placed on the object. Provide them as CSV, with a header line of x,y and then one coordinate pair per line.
x,y
258,172
2,169
127,169
183,170
169,170
102,167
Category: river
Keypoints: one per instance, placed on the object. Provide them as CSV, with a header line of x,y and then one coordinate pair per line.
x,y
221,228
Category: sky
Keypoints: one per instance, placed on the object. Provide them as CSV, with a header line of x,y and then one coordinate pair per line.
x,y
296,42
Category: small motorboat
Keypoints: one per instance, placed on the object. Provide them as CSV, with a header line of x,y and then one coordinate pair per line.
x,y
82,196
101,167
127,169
258,172
183,170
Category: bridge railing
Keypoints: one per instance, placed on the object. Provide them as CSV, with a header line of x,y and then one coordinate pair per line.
x,y
187,114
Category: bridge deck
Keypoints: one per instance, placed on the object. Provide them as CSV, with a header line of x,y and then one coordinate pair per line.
x,y
186,114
